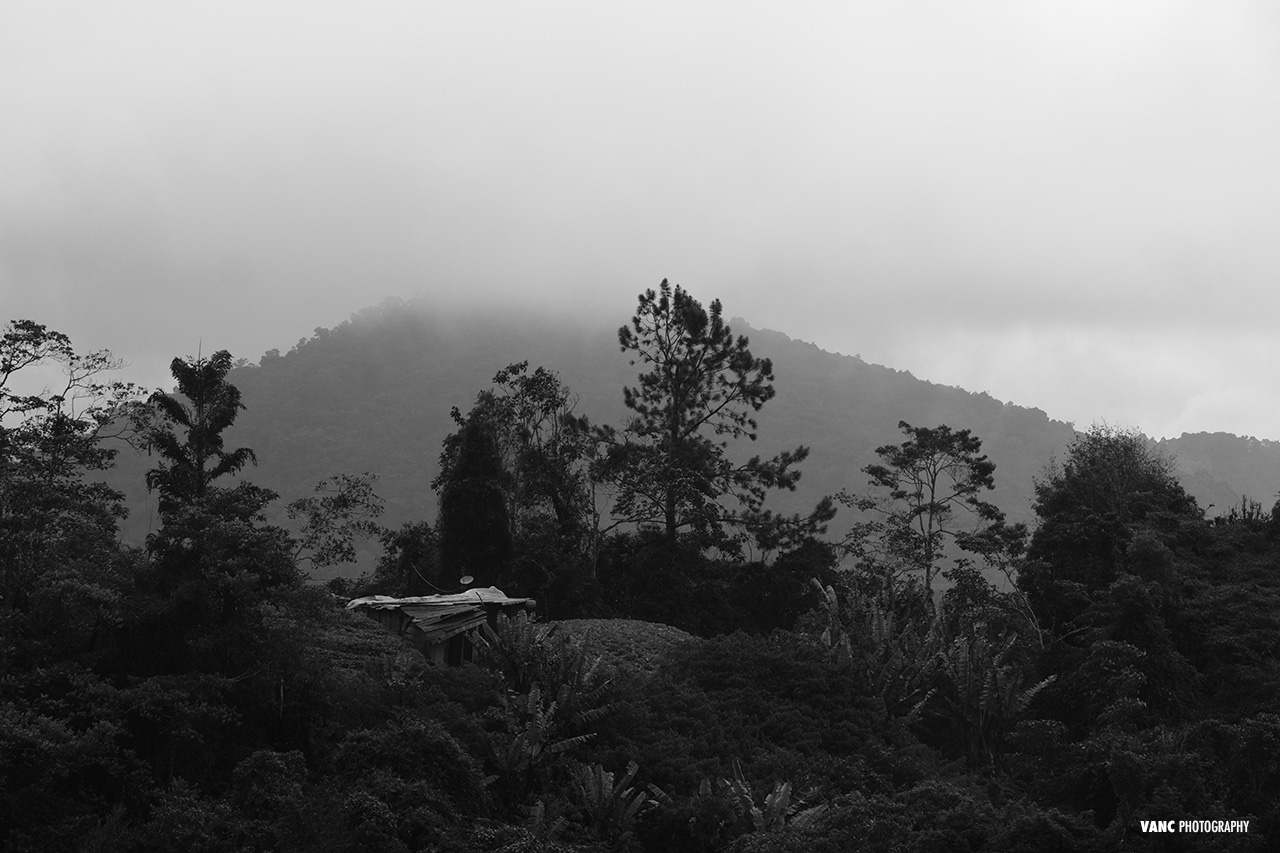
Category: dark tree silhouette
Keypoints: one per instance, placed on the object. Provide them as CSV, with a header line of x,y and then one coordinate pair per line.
x,y
195,458
928,477
1089,506
701,389
475,525
541,447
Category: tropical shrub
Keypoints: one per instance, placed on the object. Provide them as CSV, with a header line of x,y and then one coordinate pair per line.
x,y
407,782
608,807
777,700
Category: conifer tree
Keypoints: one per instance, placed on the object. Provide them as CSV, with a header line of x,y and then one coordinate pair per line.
x,y
701,389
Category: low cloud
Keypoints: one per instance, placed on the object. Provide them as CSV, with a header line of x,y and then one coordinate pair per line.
x,y
1071,203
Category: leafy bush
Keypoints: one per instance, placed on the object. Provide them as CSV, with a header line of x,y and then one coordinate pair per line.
x,y
936,815
407,781
57,773
768,700
555,695
609,806
183,819
981,694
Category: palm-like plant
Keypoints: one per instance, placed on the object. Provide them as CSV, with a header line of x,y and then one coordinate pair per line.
x,y
555,696
901,659
982,691
611,806
898,654
775,813
189,438
538,735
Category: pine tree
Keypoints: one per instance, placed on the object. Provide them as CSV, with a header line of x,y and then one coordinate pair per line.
x,y
701,390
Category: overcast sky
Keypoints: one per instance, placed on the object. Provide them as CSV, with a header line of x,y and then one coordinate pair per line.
x,y
1073,206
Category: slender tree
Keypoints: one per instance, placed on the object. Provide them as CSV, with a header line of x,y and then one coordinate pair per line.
x,y
343,509
60,431
923,483
59,551
701,388
194,459
215,560
410,563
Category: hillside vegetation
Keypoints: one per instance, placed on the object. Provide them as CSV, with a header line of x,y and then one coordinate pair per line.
x,y
715,670
374,393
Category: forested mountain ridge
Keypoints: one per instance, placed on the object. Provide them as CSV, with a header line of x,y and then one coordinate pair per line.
x,y
198,693
374,394
1221,469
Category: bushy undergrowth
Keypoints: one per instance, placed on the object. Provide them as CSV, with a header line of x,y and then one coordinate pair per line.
x,y
777,701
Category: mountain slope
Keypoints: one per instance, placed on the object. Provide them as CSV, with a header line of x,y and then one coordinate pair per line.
x,y
374,394
1221,469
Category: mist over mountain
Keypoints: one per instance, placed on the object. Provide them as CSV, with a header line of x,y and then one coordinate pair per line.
x,y
374,394
1222,469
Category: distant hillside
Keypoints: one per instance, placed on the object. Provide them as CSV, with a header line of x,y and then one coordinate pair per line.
x,y
1220,469
374,394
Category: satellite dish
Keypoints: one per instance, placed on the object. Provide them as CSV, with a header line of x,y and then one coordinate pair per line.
x,y
466,579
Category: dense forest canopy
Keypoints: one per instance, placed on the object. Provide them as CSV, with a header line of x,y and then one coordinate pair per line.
x,y
715,675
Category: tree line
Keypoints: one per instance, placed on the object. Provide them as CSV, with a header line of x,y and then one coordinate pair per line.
x,y
936,677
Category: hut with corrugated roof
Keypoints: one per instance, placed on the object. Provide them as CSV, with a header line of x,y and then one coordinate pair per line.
x,y
442,627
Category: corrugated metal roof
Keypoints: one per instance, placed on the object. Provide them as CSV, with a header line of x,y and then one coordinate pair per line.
x,y
440,617
489,594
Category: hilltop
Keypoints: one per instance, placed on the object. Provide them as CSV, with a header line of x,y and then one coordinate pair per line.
x,y
375,392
